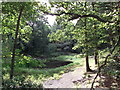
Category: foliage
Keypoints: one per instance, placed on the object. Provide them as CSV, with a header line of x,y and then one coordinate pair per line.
x,y
39,35
112,68
20,82
95,33
32,77
37,38
28,61
51,48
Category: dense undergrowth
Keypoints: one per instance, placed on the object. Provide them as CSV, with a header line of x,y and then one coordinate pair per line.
x,y
111,74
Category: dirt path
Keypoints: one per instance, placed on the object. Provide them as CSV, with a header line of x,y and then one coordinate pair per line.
x,y
67,80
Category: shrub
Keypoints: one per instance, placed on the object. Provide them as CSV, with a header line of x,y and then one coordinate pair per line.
x,y
19,82
28,61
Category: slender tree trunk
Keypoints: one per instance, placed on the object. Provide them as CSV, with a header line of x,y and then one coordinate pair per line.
x,y
96,57
87,64
15,44
86,46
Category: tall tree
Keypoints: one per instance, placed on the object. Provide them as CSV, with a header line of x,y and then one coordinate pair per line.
x,y
86,45
13,13
15,42
76,10
104,16
39,35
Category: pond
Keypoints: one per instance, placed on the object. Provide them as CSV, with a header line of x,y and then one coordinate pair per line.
x,y
56,63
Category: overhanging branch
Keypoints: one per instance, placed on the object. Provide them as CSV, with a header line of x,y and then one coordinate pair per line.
x,y
97,17
76,16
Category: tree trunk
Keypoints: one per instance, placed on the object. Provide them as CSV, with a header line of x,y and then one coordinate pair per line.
x,y
96,57
87,64
86,46
15,44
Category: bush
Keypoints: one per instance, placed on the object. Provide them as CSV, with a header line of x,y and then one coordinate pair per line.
x,y
113,69
28,61
19,82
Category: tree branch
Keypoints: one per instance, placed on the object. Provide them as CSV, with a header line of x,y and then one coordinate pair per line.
x,y
76,16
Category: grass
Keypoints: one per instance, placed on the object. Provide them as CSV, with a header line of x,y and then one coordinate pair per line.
x,y
38,75
76,60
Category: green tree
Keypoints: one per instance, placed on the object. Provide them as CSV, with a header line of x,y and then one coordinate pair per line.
x,y
97,34
13,13
39,39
